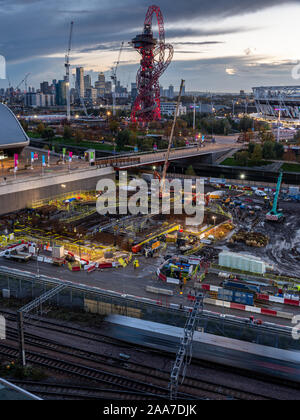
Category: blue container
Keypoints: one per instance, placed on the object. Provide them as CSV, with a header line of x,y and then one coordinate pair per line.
x,y
241,298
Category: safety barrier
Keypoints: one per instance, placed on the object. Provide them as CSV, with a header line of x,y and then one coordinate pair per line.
x,y
251,309
158,291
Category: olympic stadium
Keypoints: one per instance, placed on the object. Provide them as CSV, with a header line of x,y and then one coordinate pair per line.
x,y
278,103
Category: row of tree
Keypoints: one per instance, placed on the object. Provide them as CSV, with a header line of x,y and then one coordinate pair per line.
x,y
256,153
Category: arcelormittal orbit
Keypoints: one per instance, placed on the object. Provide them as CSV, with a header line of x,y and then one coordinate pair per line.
x,y
156,57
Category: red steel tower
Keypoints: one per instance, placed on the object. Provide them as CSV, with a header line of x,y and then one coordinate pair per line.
x,y
156,57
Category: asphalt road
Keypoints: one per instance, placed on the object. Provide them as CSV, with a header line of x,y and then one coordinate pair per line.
x,y
133,282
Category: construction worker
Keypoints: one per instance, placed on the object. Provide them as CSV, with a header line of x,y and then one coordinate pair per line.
x,y
136,264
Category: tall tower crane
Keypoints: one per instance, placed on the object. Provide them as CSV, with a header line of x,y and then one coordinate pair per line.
x,y
24,81
114,79
67,66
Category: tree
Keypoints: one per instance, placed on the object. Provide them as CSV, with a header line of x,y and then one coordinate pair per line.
x,y
114,126
67,132
123,139
279,150
24,124
266,136
241,158
246,123
268,150
78,136
40,128
190,171
48,133
257,154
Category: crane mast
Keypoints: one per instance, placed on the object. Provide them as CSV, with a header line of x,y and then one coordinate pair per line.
x,y
275,215
171,139
67,66
114,79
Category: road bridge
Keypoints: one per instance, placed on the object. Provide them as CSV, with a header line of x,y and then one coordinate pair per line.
x,y
125,162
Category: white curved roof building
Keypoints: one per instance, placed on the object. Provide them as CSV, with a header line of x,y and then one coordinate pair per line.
x,y
12,135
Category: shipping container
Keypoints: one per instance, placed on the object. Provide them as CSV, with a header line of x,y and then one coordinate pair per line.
x,y
234,296
241,286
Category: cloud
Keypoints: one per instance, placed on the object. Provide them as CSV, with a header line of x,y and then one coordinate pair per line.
x,y
230,71
33,30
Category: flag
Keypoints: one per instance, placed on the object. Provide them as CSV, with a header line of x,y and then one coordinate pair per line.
x,y
16,158
32,157
70,156
43,160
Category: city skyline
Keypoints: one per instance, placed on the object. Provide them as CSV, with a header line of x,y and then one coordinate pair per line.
x,y
225,46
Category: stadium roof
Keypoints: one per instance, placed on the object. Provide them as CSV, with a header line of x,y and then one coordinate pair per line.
x,y
12,135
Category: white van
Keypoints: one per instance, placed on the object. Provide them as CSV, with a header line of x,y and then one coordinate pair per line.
x,y
260,193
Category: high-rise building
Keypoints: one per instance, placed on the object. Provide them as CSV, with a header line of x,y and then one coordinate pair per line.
x,y
80,81
108,88
61,93
91,95
100,84
134,92
171,92
45,88
87,83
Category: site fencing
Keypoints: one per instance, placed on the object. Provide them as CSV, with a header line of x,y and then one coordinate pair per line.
x,y
27,287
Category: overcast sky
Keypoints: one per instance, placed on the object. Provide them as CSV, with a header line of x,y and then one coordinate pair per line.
x,y
220,45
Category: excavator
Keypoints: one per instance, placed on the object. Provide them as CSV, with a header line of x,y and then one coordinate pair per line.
x,y
275,215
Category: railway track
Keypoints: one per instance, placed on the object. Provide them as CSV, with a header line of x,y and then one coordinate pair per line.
x,y
72,392
193,388
90,374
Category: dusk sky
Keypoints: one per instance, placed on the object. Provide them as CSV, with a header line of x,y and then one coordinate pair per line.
x,y
220,45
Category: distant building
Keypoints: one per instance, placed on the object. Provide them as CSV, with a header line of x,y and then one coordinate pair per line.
x,y
39,100
100,85
91,95
87,83
169,108
61,93
272,100
45,88
171,92
134,92
80,81
108,88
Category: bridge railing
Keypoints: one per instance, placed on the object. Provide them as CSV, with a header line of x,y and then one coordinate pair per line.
x,y
138,158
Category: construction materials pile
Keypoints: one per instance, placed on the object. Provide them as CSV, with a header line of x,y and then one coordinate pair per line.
x,y
253,239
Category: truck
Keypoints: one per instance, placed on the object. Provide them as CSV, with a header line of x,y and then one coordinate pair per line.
x,y
17,256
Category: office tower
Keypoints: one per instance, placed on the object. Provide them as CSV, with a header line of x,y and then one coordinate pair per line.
x,y
100,84
61,93
108,88
171,92
45,87
80,81
87,83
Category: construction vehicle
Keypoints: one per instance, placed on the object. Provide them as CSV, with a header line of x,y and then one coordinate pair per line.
x,y
139,246
17,256
275,215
